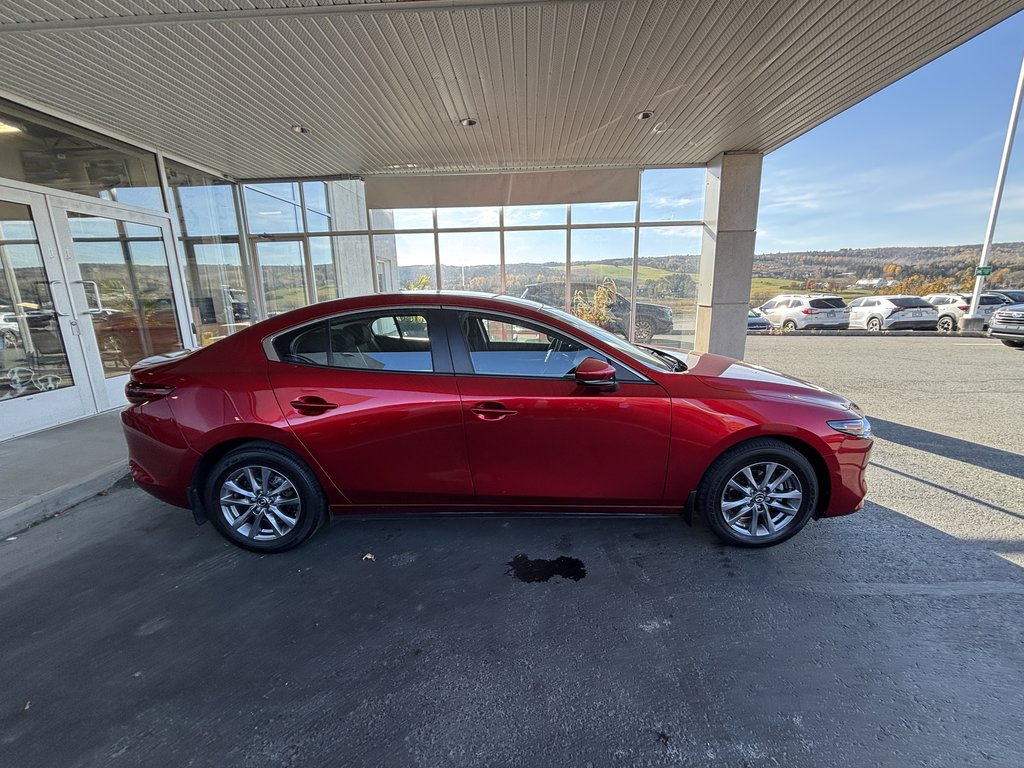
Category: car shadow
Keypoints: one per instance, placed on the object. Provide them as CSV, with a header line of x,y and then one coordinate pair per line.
x,y
995,459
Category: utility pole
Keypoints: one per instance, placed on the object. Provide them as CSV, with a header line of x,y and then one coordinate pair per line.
x,y
973,320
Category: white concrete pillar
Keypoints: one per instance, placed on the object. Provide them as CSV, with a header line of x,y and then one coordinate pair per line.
x,y
727,252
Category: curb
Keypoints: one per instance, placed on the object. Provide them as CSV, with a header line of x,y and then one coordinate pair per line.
x,y
53,502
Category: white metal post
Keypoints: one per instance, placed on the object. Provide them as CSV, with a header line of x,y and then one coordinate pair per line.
x,y
979,280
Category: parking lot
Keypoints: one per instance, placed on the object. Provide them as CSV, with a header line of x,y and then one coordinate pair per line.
x,y
888,638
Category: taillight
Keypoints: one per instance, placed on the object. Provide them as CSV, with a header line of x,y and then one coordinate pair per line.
x,y
139,393
962,307
809,311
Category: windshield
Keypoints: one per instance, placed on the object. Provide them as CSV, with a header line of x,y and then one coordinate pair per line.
x,y
909,301
641,355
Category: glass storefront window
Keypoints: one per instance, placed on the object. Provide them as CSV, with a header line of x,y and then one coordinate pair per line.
x,y
32,354
470,261
467,218
667,285
534,215
402,218
325,279
534,257
273,208
414,256
604,213
602,277
282,267
351,254
42,150
672,194
215,269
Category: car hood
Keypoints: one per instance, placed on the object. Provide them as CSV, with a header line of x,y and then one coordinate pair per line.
x,y
736,376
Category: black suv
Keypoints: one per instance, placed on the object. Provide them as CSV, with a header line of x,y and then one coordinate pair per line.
x,y
650,318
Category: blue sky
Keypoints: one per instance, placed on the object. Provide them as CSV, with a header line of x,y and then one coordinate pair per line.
x,y
915,164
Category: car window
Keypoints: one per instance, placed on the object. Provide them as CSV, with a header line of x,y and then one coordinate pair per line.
x,y
908,302
856,303
768,306
830,303
368,342
506,348
989,300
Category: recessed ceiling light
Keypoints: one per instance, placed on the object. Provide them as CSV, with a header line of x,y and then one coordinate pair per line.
x,y
469,122
300,129
9,127
645,115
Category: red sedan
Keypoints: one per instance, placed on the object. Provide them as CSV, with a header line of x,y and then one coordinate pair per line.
x,y
458,401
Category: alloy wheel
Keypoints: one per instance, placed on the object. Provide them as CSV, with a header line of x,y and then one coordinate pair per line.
x,y
260,503
644,331
946,324
761,499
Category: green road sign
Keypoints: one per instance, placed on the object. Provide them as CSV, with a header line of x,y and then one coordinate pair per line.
x,y
982,271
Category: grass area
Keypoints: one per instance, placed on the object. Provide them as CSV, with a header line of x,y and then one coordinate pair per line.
x,y
617,272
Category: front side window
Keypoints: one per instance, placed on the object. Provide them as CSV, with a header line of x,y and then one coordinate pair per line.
x,y
506,348
377,342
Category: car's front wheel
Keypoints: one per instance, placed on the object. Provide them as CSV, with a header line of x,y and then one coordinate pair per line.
x,y
262,498
758,493
644,330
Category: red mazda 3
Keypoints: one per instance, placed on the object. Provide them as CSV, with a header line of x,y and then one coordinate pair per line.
x,y
458,401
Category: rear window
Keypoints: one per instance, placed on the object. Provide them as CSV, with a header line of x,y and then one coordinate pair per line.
x,y
832,303
908,302
990,300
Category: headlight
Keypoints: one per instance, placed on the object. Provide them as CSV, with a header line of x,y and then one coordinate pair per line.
x,y
856,427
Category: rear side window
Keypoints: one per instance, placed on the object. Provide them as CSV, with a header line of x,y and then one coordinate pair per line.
x,y
831,303
380,342
989,300
908,302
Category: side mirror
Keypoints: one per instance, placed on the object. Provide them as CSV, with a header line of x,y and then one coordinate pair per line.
x,y
597,374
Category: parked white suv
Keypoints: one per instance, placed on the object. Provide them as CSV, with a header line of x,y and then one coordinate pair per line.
x,y
806,311
893,313
952,307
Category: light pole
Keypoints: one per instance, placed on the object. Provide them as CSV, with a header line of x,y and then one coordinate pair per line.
x,y
973,320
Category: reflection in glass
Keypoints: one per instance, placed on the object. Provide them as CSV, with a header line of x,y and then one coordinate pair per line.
x,y
470,261
414,255
127,286
284,275
533,257
602,277
32,355
672,194
214,267
45,151
351,253
325,280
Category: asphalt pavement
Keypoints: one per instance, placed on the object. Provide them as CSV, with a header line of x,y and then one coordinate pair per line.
x,y
130,637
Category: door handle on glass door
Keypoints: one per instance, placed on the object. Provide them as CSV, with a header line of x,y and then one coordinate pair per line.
x,y
491,411
311,405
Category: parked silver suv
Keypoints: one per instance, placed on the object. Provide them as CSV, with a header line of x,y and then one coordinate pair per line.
x,y
892,313
806,311
953,306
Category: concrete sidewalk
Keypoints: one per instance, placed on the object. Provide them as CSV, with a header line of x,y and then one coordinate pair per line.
x,y
48,472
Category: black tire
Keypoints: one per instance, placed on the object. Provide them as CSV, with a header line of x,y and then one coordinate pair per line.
x,y
311,503
1013,343
789,325
714,487
874,325
644,330
946,324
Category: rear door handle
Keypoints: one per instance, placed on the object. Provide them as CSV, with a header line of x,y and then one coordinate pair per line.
x,y
311,405
491,411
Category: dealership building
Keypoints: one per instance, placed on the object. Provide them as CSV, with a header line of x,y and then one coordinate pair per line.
x,y
173,172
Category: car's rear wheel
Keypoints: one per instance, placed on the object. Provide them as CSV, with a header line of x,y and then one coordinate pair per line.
x,y
262,498
644,330
946,324
875,325
759,493
789,325
1013,343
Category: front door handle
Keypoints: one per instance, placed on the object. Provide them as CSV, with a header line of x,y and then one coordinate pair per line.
x,y
491,411
311,405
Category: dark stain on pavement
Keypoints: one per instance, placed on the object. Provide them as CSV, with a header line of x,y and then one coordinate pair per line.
x,y
525,569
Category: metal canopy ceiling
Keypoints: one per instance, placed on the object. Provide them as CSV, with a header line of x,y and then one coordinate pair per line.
x,y
382,85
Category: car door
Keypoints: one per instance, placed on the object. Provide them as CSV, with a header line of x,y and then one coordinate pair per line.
x,y
535,436
373,398
857,315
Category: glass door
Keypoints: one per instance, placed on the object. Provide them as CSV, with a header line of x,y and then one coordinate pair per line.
x,y
42,379
124,293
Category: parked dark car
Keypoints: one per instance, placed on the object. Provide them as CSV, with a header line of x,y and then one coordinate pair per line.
x,y
1009,295
757,322
1007,325
348,408
651,319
